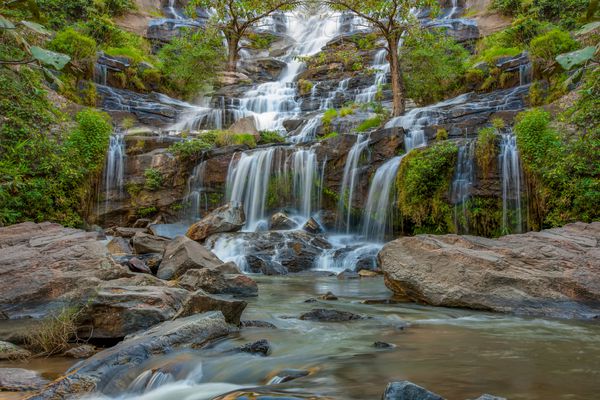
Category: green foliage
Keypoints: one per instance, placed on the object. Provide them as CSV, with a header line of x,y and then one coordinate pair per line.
x,y
304,87
60,13
370,124
585,113
365,42
424,179
227,138
261,41
441,134
153,179
493,54
486,150
565,12
74,43
267,137
329,136
146,211
433,66
327,119
88,142
551,44
345,111
190,62
563,170
190,148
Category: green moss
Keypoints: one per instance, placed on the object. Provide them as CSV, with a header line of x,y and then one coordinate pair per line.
x,y
329,136
227,138
370,124
190,148
345,111
327,119
486,150
304,87
146,211
485,216
441,134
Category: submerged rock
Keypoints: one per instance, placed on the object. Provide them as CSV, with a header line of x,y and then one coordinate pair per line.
x,y
287,375
183,254
383,345
555,272
19,380
405,390
347,274
228,218
257,324
95,372
261,347
326,315
329,296
312,226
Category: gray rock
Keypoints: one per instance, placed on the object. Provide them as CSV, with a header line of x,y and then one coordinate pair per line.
x,y
287,375
9,351
95,372
228,218
257,324
327,315
213,281
183,254
329,296
347,274
144,243
228,268
137,265
82,351
489,397
405,390
19,379
383,345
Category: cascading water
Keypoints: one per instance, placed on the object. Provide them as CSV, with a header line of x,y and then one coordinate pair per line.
x,y
510,166
196,199
114,170
382,67
349,181
464,177
378,210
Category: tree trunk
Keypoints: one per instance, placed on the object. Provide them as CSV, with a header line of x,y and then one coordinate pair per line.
x,y
233,50
398,100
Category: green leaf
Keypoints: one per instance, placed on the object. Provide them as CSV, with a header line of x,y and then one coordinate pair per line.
x,y
6,24
587,28
56,60
575,58
36,28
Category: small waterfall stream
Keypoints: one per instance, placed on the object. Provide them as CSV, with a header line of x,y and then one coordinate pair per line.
x,y
349,182
464,177
382,67
196,199
114,170
510,167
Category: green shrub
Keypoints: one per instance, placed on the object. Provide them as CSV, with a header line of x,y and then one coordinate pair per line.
x,y
329,116
441,134
551,44
267,137
370,123
304,87
227,138
486,150
345,111
329,136
135,55
190,148
73,43
89,141
153,179
537,94
146,211
493,54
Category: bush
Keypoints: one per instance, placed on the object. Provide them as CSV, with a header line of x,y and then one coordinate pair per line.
x,y
55,332
153,179
486,150
227,138
190,148
441,134
551,44
73,43
89,141
369,124
267,137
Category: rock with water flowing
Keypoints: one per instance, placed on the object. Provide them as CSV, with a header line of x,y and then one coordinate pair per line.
x,y
183,254
405,390
97,372
555,272
81,351
228,218
214,281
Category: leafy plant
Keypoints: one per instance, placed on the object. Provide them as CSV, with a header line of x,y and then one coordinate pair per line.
x,y
153,179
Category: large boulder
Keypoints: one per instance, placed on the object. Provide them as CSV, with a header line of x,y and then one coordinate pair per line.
x,y
554,272
200,302
43,266
183,254
216,282
228,218
144,243
405,390
99,372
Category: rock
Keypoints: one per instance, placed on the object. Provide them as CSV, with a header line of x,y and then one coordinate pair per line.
x,y
347,274
228,218
380,301
82,351
183,254
365,273
142,223
232,78
312,226
144,243
257,324
3,316
287,375
43,266
200,302
383,345
19,380
168,231
329,296
562,264
123,232
244,125
291,125
325,315
9,351
489,397
261,347
119,246
228,268
405,390
91,374
213,281
137,265
281,222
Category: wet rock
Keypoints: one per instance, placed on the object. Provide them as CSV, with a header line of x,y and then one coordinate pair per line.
x,y
327,315
9,351
562,265
3,316
228,268
137,265
119,246
183,254
383,345
142,223
145,243
489,397
287,375
329,296
95,372
200,302
82,351
260,347
365,273
228,218
312,226
257,324
213,281
311,300
291,125
19,380
43,266
169,231
380,301
123,232
281,222
405,390
347,274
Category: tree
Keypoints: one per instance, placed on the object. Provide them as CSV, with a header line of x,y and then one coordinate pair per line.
x,y
392,20
235,18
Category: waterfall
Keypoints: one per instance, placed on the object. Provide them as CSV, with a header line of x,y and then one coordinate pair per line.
x,y
349,180
464,177
512,221
256,174
453,11
114,170
525,73
378,210
196,199
382,67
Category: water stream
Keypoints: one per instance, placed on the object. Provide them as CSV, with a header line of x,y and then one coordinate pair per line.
x,y
510,167
464,177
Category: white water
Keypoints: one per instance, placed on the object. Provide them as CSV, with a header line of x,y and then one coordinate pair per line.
x,y
378,210
349,181
114,170
464,177
196,199
512,220
382,68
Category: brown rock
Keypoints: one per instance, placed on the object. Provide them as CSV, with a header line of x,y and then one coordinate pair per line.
x,y
228,268
9,351
19,379
119,246
200,302
312,226
329,296
555,272
365,273
183,254
280,221
82,351
228,218
137,265
144,243
215,282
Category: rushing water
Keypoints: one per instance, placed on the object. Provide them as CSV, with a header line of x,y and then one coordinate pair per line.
x,y
459,354
114,170
510,167
196,199
464,177
382,68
